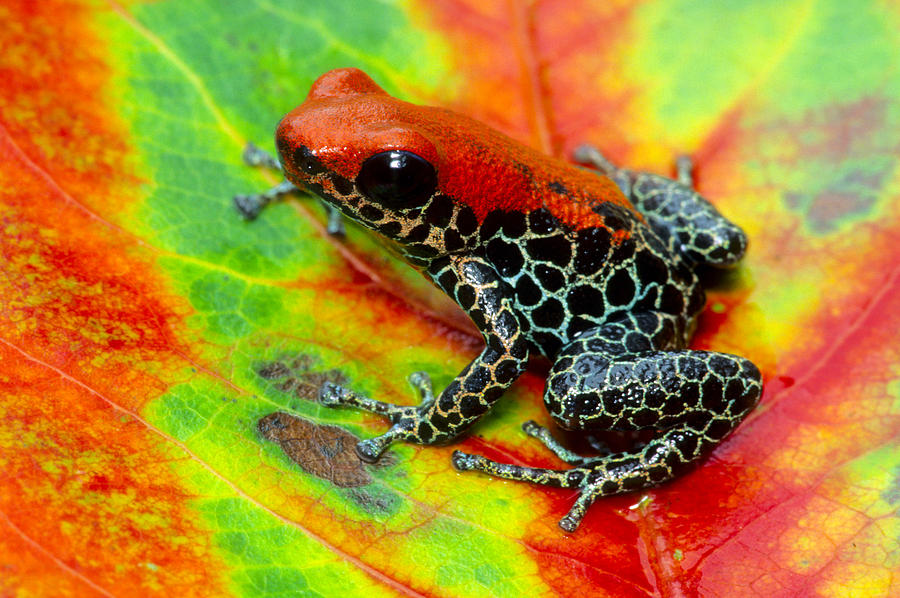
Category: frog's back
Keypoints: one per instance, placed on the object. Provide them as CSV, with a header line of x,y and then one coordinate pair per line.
x,y
567,280
575,250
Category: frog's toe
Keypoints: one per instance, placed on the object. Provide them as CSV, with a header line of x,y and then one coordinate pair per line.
x,y
248,206
543,435
330,394
588,154
335,226
569,524
585,153
421,381
370,450
532,428
466,461
573,518
684,166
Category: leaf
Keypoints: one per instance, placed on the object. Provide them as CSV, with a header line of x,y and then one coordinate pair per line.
x,y
145,331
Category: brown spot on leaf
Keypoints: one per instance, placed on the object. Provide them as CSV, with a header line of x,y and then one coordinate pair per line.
x,y
374,503
274,370
295,375
327,452
842,144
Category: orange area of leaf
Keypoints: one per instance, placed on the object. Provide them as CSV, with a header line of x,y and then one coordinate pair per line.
x,y
83,483
79,298
84,338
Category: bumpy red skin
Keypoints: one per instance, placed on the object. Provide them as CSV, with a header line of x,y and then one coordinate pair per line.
x,y
477,165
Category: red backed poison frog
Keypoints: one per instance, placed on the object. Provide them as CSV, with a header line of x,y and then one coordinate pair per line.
x,y
594,271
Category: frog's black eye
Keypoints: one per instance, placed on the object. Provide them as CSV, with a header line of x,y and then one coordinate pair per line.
x,y
397,179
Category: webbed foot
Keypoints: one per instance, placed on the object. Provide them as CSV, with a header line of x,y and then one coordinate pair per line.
x,y
576,477
594,476
407,421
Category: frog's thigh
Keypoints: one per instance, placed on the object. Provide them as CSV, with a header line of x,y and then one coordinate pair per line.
x,y
607,379
687,221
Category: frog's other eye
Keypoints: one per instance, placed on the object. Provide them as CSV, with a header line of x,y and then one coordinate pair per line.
x,y
397,178
306,161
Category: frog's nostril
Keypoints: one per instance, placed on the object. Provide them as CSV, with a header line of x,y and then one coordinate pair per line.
x,y
305,161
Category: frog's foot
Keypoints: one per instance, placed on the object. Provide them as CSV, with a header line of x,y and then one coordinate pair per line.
x,y
660,460
250,206
408,423
576,478
594,477
588,154
255,156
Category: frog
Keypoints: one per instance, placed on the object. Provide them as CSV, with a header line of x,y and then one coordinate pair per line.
x,y
593,269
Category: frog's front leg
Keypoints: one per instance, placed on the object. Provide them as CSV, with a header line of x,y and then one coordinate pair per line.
x,y
685,220
250,206
619,376
475,285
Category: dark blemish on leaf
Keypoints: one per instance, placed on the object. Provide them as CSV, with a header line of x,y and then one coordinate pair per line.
x,y
842,141
891,495
327,452
296,375
383,504
274,370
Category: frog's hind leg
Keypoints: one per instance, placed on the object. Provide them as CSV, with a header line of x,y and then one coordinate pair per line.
x,y
617,377
686,221
581,477
543,435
